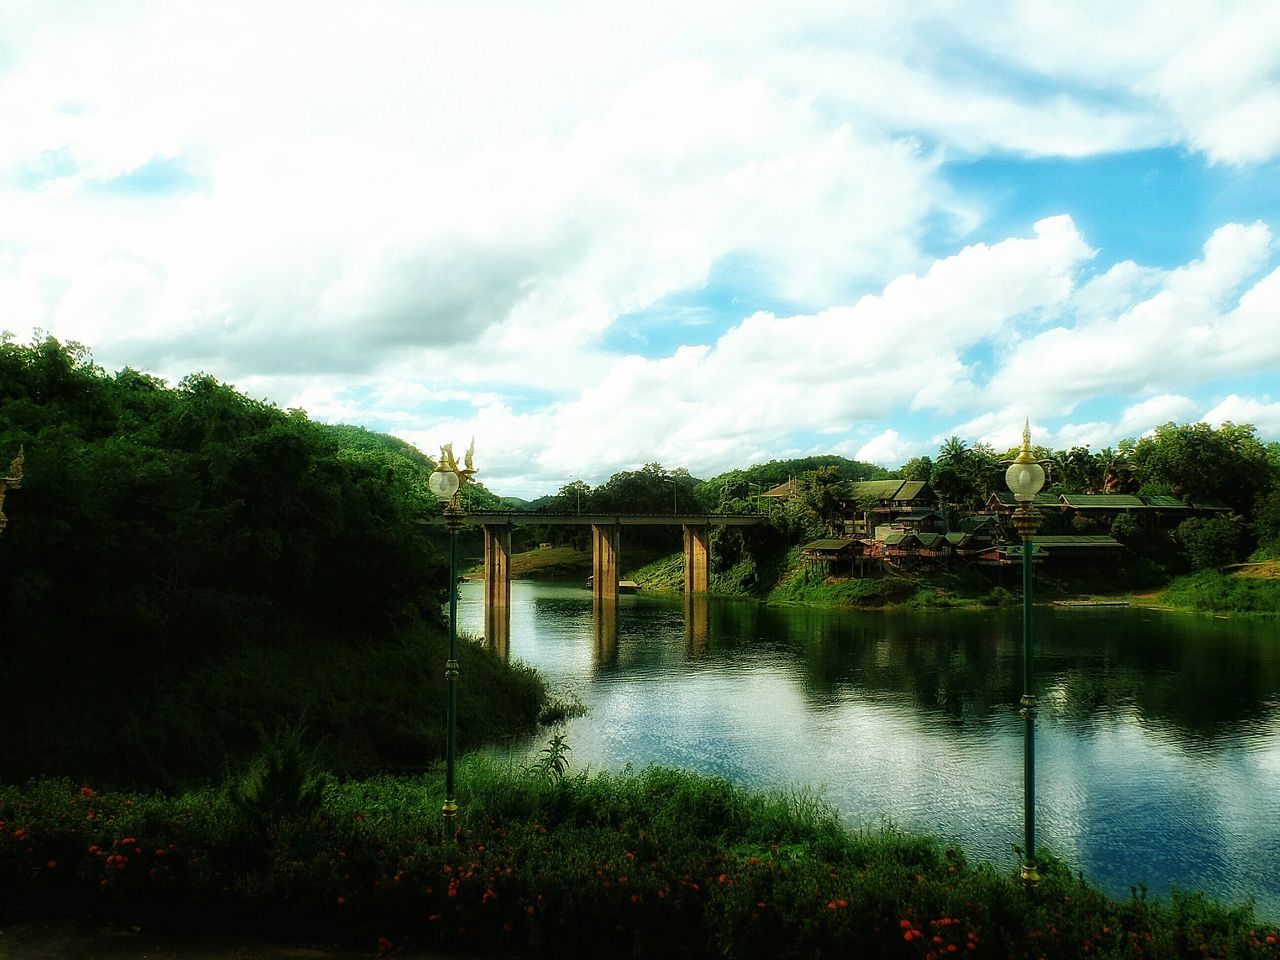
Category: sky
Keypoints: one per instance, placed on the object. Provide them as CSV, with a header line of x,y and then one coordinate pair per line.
x,y
703,234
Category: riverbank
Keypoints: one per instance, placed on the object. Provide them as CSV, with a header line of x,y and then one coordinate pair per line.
x,y
1252,588
657,862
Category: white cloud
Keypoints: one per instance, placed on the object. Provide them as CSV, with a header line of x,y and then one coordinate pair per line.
x,y
1238,410
1197,325
382,209
889,449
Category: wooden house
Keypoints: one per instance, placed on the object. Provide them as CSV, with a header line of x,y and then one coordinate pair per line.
x,y
868,504
833,554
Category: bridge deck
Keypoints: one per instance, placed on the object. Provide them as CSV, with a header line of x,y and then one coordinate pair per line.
x,y
523,518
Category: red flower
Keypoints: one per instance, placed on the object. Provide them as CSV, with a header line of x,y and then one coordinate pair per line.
x,y
86,791
51,864
905,924
341,901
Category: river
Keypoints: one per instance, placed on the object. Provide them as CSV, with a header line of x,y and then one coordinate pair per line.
x,y
1158,739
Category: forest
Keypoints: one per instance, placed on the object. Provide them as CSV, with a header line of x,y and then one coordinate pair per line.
x,y
187,569
194,570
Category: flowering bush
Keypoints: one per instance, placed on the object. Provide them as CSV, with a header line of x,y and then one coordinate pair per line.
x,y
652,863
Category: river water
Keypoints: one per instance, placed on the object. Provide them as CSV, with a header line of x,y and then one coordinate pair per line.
x,y
1158,739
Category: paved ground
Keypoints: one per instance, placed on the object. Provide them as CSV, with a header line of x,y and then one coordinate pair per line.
x,y
46,940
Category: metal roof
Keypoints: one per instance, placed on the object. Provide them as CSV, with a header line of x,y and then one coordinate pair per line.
x,y
958,539
1160,501
1005,497
1208,503
930,539
1092,540
971,524
828,545
1103,501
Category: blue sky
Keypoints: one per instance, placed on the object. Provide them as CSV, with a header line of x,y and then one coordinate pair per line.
x,y
595,235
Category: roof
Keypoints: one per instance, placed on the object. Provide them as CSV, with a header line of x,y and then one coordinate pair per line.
x,y
785,489
972,524
893,539
931,540
1103,501
1161,501
1091,541
1014,551
875,489
912,490
958,539
1208,503
1005,498
828,545
908,517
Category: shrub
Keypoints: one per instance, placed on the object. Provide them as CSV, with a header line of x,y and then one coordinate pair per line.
x,y
1211,542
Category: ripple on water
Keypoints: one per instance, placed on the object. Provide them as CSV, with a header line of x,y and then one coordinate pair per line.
x,y
1158,740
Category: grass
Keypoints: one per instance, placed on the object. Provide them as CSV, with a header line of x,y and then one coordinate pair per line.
x,y
1210,591
655,862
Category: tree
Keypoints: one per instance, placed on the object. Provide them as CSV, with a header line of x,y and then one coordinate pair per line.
x,y
1197,461
918,468
1211,542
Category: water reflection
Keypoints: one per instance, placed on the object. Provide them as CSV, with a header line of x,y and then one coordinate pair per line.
x,y
1158,738
697,624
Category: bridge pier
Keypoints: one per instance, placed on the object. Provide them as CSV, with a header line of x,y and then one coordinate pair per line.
x,y
605,541
697,559
497,586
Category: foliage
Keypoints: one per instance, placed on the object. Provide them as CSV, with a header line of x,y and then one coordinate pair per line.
x,y
283,780
172,549
655,862
1211,542
811,585
1209,591
1196,461
1125,528
553,761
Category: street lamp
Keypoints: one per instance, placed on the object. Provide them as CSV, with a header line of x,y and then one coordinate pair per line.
x,y
12,481
446,483
674,488
1025,478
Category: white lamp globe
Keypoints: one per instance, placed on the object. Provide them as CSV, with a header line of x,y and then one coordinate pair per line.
x,y
444,484
1025,479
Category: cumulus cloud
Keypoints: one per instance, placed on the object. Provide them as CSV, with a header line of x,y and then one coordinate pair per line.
x,y
1236,409
381,213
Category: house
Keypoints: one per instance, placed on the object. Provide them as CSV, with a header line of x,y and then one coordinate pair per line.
x,y
871,503
1100,509
833,553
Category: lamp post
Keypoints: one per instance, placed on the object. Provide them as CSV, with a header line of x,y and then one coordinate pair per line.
x,y
12,481
674,488
446,483
1025,478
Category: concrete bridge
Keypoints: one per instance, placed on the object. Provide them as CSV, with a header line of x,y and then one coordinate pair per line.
x,y
606,545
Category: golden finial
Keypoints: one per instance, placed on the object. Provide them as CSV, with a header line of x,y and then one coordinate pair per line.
x,y
14,479
1024,455
447,462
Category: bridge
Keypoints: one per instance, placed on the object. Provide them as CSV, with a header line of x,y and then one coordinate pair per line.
x,y
606,544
